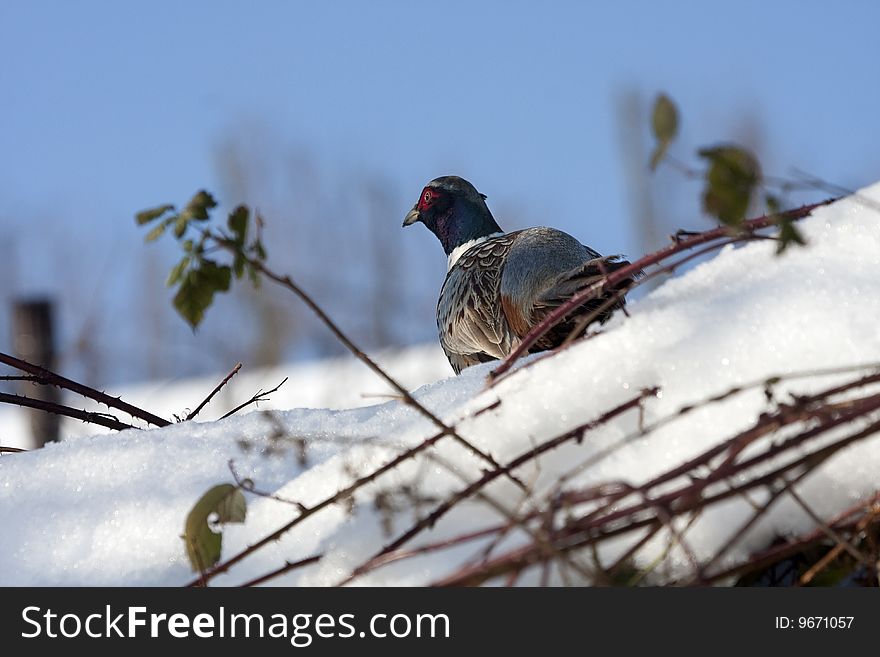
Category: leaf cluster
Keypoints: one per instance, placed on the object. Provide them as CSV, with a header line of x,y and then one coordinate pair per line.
x,y
731,178
198,276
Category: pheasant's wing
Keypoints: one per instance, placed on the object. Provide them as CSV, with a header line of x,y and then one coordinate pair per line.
x,y
544,269
597,309
472,325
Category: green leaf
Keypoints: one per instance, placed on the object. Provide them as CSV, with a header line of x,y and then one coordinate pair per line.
x,y
198,206
193,298
664,123
203,544
238,223
180,226
664,120
788,235
177,273
238,265
259,250
196,292
147,216
217,276
157,232
731,179
773,203
788,232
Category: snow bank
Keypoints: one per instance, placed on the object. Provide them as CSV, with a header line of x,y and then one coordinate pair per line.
x,y
313,384
109,509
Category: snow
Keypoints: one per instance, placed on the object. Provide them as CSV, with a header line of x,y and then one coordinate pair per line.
x,y
109,509
314,384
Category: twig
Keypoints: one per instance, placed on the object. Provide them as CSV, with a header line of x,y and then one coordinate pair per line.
x,y
723,396
765,425
248,485
231,374
740,533
842,522
440,545
650,533
85,391
540,535
12,450
691,496
834,552
665,518
614,297
812,182
620,275
258,397
682,496
50,407
617,521
27,377
286,568
287,282
810,462
339,496
491,475
841,543
643,573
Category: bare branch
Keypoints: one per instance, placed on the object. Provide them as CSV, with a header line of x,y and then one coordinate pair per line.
x,y
85,391
102,419
248,486
286,568
258,397
618,276
842,522
339,496
842,545
26,377
231,374
615,518
489,476
287,282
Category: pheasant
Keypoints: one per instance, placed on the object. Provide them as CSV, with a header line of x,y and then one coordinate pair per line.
x,y
500,285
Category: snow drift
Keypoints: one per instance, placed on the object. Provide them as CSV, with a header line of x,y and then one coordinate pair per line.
x,y
109,509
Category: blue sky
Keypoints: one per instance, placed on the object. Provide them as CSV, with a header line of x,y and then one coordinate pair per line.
x,y
110,107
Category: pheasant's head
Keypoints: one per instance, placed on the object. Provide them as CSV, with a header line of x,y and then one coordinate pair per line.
x,y
454,211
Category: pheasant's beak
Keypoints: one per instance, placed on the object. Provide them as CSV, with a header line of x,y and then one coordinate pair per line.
x,y
411,217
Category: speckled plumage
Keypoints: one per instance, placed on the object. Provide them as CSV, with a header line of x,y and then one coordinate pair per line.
x,y
504,285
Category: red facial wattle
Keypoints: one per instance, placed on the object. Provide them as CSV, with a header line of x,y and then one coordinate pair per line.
x,y
426,200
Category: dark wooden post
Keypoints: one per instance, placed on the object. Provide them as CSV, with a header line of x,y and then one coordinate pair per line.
x,y
34,341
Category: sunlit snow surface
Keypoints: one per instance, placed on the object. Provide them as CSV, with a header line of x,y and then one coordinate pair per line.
x,y
110,509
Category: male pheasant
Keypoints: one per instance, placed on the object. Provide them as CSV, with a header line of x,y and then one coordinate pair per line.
x,y
499,285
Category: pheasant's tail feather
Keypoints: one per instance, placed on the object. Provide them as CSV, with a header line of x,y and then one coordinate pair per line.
x,y
592,272
597,309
